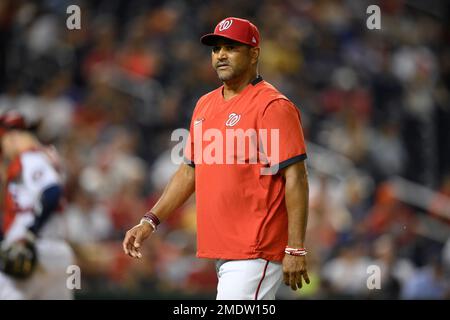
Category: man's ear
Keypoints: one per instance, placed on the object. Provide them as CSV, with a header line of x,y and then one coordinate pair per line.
x,y
254,54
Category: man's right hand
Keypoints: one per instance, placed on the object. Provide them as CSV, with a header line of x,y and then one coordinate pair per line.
x,y
134,238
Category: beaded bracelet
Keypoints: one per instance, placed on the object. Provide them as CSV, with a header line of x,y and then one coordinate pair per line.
x,y
152,219
296,251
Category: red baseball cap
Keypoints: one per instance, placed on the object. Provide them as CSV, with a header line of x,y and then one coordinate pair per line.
x,y
12,120
236,29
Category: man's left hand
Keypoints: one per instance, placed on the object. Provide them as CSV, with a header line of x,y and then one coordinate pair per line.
x,y
294,269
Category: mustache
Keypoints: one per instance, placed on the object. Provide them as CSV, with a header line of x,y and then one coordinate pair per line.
x,y
221,64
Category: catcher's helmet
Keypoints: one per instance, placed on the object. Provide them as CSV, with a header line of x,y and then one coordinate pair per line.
x,y
19,260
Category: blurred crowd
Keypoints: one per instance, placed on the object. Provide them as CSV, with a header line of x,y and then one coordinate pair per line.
x,y
109,95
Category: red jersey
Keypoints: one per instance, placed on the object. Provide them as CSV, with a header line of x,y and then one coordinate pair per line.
x,y
241,211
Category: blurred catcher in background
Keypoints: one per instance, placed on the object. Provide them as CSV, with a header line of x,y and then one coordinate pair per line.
x,y
33,255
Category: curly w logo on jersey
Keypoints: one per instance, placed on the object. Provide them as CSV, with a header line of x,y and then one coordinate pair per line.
x,y
233,119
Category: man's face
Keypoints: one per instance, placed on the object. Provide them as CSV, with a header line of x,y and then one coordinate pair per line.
x,y
231,59
6,144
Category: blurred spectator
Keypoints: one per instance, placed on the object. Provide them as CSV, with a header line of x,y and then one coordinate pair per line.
x,y
88,220
346,274
395,271
429,282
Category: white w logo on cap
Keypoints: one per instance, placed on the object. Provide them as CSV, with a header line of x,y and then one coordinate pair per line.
x,y
225,24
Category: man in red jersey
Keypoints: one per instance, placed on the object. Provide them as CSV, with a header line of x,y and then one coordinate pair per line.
x,y
251,215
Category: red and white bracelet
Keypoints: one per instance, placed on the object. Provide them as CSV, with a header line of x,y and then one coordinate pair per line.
x,y
152,219
296,251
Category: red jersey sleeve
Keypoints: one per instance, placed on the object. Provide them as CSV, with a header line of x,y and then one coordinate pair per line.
x,y
285,143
